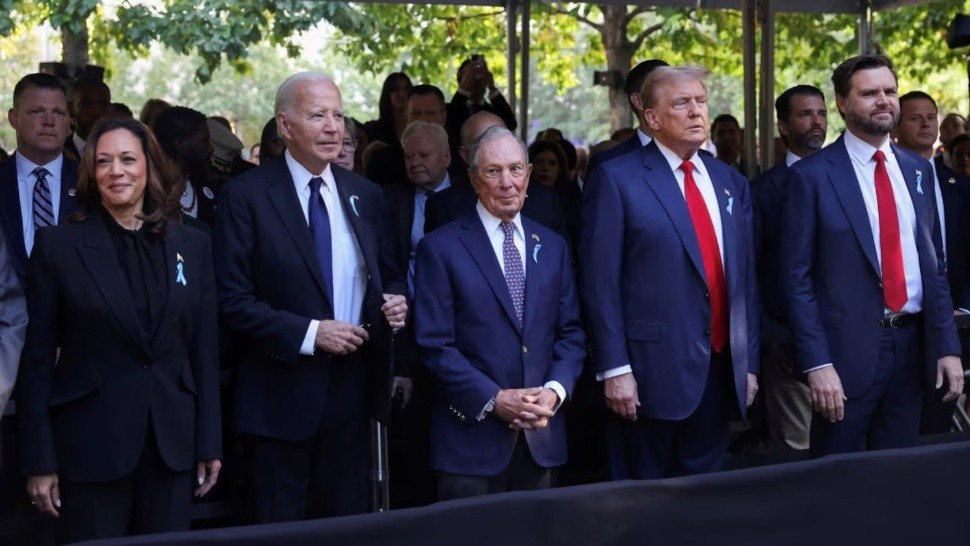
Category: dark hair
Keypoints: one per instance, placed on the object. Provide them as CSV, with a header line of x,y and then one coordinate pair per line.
x,y
541,146
37,80
724,118
570,152
269,140
151,109
426,89
87,82
842,75
634,79
120,108
176,123
162,189
957,140
916,95
783,102
385,112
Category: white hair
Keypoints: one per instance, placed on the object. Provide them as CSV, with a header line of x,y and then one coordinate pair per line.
x,y
285,94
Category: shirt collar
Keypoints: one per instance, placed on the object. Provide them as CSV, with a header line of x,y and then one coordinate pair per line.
x,y
445,184
492,223
675,161
791,158
26,166
861,151
644,137
301,176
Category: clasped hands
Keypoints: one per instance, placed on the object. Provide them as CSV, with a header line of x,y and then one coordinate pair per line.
x,y
526,409
342,338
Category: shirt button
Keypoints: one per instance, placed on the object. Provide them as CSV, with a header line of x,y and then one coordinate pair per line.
x,y
525,349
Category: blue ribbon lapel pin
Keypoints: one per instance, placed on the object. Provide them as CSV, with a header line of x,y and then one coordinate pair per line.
x,y
180,270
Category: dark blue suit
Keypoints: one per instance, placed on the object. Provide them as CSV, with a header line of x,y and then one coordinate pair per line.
x,y
270,287
472,345
831,279
646,297
11,216
625,147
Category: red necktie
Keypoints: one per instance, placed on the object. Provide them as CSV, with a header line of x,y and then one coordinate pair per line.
x,y
710,253
893,277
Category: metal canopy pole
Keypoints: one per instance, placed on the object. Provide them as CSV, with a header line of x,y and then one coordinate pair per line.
x,y
524,84
865,11
748,8
767,126
511,49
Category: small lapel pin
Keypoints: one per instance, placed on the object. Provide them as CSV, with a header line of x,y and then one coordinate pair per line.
x,y
207,191
180,273
353,204
727,192
952,180
535,251
730,205
72,192
919,182
535,237
179,258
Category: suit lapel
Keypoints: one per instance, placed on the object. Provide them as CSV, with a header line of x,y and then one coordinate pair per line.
x,y
660,179
918,182
477,243
12,219
533,275
101,262
850,196
68,189
174,249
282,194
353,207
727,201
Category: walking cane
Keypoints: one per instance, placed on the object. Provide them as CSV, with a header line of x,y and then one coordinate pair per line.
x,y
380,476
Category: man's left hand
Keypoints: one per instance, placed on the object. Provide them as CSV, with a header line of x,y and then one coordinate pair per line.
x,y
544,397
950,367
752,388
395,309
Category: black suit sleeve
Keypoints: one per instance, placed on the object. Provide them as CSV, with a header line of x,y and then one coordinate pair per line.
x,y
500,107
204,358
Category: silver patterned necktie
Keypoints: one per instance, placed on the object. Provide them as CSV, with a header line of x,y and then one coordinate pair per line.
x,y
43,207
514,271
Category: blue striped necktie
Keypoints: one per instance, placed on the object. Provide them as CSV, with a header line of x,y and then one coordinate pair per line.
x,y
43,207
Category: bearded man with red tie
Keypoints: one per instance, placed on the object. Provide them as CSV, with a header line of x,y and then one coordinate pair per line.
x,y
864,282
668,279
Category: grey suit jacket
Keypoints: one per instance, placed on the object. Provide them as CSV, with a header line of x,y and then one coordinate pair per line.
x,y
13,323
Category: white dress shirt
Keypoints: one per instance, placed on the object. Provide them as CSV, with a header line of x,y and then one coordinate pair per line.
x,y
26,182
189,200
791,158
644,137
349,269
496,236
703,181
417,224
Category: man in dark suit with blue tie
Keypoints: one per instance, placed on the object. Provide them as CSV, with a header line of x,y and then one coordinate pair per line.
x,y
802,121
498,329
668,279
864,282
300,287
916,131
37,183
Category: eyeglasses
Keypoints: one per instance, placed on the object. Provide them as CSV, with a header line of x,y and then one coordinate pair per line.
x,y
349,145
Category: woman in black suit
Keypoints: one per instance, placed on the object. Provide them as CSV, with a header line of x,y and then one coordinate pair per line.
x,y
118,393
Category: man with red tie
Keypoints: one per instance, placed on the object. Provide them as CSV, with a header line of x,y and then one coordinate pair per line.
x,y
864,283
667,273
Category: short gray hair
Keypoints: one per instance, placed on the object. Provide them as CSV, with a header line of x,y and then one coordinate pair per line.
x,y
493,133
665,74
350,128
438,133
285,94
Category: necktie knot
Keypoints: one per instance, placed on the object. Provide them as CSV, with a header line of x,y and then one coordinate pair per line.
x,y
687,167
508,228
879,156
315,184
40,173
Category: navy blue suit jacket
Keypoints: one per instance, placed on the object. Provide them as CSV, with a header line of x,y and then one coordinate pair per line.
x,y
472,345
271,287
643,282
624,147
11,217
83,413
831,276
956,207
767,192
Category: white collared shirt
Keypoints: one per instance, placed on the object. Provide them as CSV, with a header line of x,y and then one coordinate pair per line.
x,y
189,200
496,236
25,185
349,269
791,158
860,153
421,195
644,137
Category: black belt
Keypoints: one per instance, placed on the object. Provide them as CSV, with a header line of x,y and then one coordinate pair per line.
x,y
899,320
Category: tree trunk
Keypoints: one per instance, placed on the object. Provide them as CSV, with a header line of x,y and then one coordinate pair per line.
x,y
74,48
619,56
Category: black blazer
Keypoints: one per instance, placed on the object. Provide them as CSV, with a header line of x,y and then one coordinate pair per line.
x,y
11,217
956,213
270,288
84,414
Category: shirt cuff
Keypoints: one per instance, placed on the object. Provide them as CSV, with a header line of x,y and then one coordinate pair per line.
x,y
559,390
819,367
613,372
310,339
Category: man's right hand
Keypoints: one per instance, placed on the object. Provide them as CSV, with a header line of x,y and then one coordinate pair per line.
x,y
522,409
339,338
44,493
621,395
827,395
472,78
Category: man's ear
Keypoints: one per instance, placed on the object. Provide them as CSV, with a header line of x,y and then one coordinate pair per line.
x,y
653,121
637,102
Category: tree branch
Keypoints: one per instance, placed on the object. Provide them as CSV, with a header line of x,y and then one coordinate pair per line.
x,y
596,26
638,41
632,15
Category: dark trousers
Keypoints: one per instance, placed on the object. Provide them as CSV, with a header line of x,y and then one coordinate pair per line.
x,y
325,475
412,482
152,499
888,414
648,448
522,474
